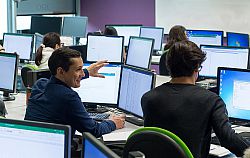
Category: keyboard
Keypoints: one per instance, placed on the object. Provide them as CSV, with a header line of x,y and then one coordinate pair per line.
x,y
245,135
99,116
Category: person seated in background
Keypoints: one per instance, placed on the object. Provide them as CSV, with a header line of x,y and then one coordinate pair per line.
x,y
51,41
1,48
55,101
3,110
176,33
110,31
187,110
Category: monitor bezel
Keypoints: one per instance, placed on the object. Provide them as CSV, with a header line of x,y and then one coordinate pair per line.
x,y
15,73
23,35
148,72
218,85
65,128
98,144
106,104
248,59
108,36
237,33
222,33
155,28
151,51
74,17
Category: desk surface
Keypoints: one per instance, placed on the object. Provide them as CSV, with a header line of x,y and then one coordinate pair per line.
x,y
16,110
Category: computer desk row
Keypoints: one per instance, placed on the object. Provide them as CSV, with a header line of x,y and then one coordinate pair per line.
x,y
16,110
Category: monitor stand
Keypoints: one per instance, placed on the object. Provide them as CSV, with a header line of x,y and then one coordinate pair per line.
x,y
7,97
93,108
135,120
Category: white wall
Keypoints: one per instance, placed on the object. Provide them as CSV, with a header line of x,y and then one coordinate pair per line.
x,y
3,19
225,15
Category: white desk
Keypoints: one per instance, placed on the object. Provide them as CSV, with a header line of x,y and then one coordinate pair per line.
x,y
16,109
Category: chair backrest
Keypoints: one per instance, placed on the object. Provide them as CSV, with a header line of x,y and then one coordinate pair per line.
x,y
156,142
24,73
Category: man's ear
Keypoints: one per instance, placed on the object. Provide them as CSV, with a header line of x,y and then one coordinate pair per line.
x,y
60,71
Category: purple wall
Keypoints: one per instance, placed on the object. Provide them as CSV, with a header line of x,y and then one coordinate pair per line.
x,y
101,12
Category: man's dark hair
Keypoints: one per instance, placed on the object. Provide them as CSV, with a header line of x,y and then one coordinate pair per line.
x,y
61,57
183,58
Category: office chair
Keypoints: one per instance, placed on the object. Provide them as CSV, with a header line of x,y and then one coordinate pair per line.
x,y
24,76
156,142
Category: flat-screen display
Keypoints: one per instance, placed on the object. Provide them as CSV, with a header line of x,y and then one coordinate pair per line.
x,y
22,44
156,33
223,56
75,26
234,87
105,48
45,24
101,90
127,31
134,83
237,39
140,52
94,148
205,37
34,139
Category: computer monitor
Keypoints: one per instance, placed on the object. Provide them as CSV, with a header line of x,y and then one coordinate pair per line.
x,y
134,83
22,44
94,148
30,139
127,31
205,37
105,48
8,77
237,39
38,41
101,91
223,56
75,26
82,49
140,52
45,24
234,87
156,33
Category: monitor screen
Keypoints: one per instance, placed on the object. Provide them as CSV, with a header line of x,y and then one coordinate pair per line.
x,y
101,90
22,44
234,87
237,39
44,24
205,37
223,56
134,83
94,148
75,26
140,52
127,31
105,48
32,139
38,41
82,49
156,33
8,65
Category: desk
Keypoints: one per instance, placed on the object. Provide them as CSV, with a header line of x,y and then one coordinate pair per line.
x,y
16,108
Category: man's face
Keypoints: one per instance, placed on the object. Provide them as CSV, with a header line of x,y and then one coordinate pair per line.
x,y
75,73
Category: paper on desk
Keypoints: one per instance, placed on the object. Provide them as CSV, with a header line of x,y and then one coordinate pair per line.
x,y
218,150
116,136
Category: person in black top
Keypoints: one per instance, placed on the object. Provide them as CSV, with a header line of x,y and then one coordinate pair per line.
x,y
176,33
110,31
190,111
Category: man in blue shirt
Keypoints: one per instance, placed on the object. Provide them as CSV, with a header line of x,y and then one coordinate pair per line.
x,y
54,101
